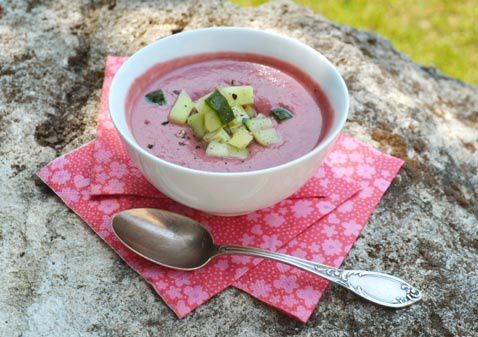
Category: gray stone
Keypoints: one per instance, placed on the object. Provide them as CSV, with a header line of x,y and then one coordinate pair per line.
x,y
59,279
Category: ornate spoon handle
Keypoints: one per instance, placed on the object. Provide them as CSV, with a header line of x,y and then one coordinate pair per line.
x,y
383,289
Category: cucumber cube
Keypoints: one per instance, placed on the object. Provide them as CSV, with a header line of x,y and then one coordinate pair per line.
x,y
251,112
234,152
156,97
196,123
256,124
239,112
219,104
241,138
211,121
240,128
267,137
219,136
239,95
281,114
181,109
240,115
235,122
216,149
235,125
201,105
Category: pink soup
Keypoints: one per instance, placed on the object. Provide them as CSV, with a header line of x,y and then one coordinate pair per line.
x,y
275,83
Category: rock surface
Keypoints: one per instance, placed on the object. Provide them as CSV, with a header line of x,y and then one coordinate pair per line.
x,y
59,279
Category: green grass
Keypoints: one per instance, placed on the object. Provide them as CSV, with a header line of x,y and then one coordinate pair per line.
x,y
443,33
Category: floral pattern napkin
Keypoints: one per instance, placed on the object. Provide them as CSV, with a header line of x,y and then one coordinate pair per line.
x,y
320,222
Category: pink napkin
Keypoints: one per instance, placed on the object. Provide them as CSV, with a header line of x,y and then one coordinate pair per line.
x,y
320,222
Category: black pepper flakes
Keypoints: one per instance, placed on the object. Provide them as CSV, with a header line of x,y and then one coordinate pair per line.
x,y
146,122
234,96
181,143
150,146
176,92
165,123
198,147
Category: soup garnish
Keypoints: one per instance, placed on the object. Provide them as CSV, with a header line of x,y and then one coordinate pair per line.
x,y
226,122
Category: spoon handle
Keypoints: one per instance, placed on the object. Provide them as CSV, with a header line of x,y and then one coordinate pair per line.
x,y
379,288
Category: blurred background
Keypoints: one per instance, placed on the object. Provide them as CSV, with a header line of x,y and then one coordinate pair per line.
x,y
443,33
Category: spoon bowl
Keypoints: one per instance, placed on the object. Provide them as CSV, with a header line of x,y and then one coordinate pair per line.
x,y
166,238
178,242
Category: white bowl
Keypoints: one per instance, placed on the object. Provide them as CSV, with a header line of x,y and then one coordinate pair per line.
x,y
229,193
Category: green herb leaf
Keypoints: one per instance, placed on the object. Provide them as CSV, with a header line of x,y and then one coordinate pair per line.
x,y
156,97
219,104
281,114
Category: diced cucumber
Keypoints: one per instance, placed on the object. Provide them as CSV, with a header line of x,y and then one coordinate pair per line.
x,y
235,122
267,137
261,115
196,123
241,138
201,105
219,104
234,152
281,114
216,149
239,95
219,136
255,124
211,121
181,109
235,125
156,97
241,127
251,112
239,112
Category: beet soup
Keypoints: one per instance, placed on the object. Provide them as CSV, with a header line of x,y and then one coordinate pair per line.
x,y
276,84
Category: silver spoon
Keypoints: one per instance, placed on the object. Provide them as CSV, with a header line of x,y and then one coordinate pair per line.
x,y
179,242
